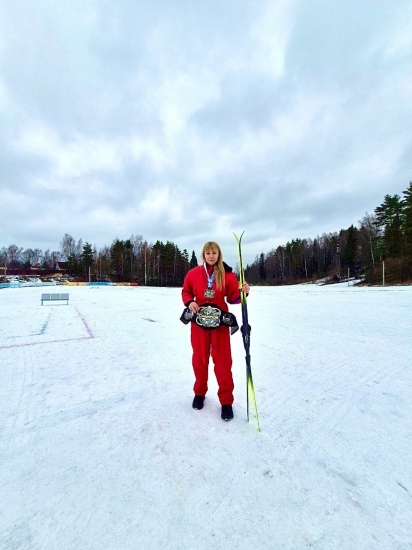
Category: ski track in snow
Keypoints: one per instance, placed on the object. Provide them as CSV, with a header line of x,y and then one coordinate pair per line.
x,y
100,447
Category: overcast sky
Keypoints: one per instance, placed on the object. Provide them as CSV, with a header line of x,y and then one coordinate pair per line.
x,y
186,121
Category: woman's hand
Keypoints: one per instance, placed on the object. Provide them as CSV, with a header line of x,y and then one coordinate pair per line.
x,y
194,308
245,287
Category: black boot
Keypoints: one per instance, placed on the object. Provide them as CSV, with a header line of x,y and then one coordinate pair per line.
x,y
198,402
227,412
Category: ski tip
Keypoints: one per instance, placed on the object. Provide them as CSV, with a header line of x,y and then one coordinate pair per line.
x,y
238,238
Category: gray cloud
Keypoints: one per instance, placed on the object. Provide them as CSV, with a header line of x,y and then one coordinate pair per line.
x,y
184,122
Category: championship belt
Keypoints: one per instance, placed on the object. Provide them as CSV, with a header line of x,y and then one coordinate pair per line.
x,y
209,317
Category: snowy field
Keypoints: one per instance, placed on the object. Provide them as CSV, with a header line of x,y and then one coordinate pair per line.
x,y
100,448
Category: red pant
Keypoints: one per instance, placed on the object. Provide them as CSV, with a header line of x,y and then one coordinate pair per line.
x,y
214,342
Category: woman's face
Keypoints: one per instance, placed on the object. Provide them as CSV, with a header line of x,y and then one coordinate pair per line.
x,y
211,256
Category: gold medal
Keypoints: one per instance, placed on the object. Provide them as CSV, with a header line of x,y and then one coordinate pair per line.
x,y
209,293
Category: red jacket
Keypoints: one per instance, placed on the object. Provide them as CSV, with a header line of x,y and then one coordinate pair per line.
x,y
195,284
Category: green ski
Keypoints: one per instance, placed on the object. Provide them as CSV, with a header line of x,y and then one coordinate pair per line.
x,y
245,329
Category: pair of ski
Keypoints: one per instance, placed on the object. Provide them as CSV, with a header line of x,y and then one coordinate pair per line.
x,y
245,329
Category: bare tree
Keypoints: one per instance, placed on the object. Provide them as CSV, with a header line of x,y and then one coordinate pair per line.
x,y
68,246
14,255
369,237
55,258
28,257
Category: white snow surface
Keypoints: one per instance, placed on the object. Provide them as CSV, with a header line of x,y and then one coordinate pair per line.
x,y
101,449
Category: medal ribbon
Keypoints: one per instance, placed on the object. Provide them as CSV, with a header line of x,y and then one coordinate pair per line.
x,y
210,278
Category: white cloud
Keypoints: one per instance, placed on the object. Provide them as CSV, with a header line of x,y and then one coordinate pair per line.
x,y
270,35
160,203
71,159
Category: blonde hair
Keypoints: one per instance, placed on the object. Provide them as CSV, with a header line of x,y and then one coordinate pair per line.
x,y
219,269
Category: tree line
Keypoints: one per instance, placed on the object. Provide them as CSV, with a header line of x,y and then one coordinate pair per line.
x,y
384,236
130,260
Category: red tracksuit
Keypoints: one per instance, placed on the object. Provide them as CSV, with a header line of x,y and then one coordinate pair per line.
x,y
214,342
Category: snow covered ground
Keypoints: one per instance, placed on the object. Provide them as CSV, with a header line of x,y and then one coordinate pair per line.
x,y
100,448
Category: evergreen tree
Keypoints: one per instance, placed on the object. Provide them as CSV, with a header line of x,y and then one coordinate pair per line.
x,y
157,257
185,259
169,260
128,260
350,253
87,257
389,218
407,210
306,245
262,268
193,260
117,253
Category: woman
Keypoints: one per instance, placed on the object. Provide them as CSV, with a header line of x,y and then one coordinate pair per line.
x,y
212,283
